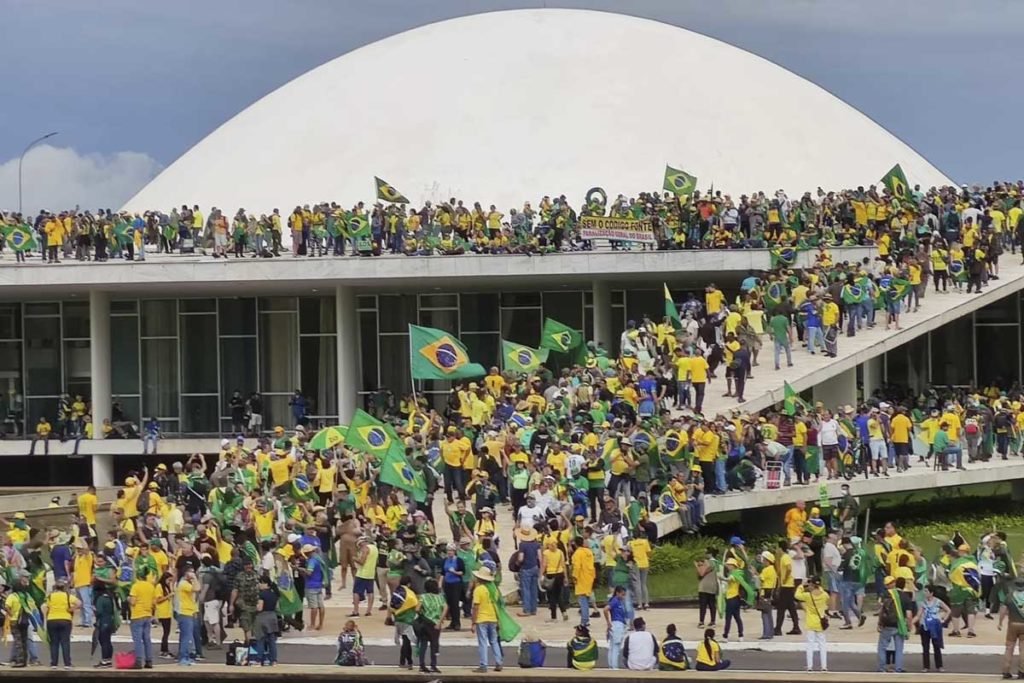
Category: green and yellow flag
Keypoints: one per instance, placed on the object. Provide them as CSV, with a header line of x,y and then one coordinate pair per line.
x,y
897,184
783,257
387,192
368,434
559,336
396,471
19,237
791,399
435,354
521,358
679,182
671,312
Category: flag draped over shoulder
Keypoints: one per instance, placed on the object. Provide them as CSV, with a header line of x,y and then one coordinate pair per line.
x,y
896,181
387,192
508,628
435,354
289,603
521,358
899,289
957,270
559,336
791,399
679,182
671,312
773,294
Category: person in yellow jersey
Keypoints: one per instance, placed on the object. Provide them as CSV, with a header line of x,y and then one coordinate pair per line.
x,y
190,644
830,325
769,581
484,619
366,571
641,549
59,609
713,299
18,530
280,469
814,600
785,598
142,599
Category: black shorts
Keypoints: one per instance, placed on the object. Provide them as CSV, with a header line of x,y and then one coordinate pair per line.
x,y
901,448
829,452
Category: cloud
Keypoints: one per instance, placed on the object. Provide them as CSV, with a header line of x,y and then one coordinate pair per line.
x,y
57,178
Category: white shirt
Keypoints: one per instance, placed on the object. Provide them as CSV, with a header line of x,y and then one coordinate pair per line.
x,y
830,557
828,433
642,655
528,516
799,565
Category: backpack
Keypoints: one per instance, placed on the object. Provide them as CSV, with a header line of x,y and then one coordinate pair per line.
x,y
143,503
887,614
514,563
971,427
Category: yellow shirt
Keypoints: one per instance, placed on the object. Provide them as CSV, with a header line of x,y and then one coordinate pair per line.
x,y
713,301
554,561
187,599
641,549
164,608
485,610
131,500
829,314
706,657
583,574
698,369
326,479
87,504
619,465
730,349
682,364
264,523
785,571
900,428
707,446
145,594
610,545
795,519
281,469
769,578
954,425
82,571
495,384
451,453
799,434
60,605
814,605
929,428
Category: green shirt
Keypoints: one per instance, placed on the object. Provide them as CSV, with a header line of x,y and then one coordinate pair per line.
x,y
779,326
431,607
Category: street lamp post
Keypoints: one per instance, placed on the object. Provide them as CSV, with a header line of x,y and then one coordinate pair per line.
x,y
22,159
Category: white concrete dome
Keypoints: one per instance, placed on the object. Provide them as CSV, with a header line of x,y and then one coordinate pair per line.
x,y
509,106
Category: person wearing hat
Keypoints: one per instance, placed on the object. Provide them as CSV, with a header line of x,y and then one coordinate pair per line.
x,y
59,609
815,603
315,573
895,614
484,619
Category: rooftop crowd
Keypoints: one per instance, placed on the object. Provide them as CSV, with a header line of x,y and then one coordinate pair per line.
x,y
709,220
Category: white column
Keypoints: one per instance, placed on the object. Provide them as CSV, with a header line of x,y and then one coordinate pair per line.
x,y
348,352
602,297
873,369
838,391
99,357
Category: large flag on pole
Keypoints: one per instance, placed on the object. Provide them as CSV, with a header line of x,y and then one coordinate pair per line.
x,y
521,358
19,237
897,184
791,399
435,354
387,192
368,434
679,182
559,336
671,312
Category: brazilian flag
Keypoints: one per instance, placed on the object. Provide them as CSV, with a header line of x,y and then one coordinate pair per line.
x,y
957,270
896,181
899,289
791,399
302,490
435,354
671,312
387,192
773,294
368,434
359,230
851,294
122,234
679,182
19,237
675,445
521,358
288,603
396,471
783,257
559,336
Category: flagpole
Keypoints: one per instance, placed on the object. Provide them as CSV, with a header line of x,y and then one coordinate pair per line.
x,y
412,380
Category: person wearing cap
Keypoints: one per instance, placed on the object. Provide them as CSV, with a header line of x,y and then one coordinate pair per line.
x,y
315,573
484,619
365,565
59,609
895,614
814,600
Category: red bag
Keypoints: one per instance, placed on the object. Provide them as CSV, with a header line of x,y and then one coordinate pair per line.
x,y
124,660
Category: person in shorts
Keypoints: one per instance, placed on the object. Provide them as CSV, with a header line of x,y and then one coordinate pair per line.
x,y
316,574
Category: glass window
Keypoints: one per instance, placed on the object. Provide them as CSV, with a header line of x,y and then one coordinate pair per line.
x,y
46,308
237,367
447,320
396,312
588,323
237,316
42,357
1002,311
618,327
366,301
279,352
10,375
641,302
514,299
204,305
483,348
277,412
127,306
10,321
618,297
277,303
479,312
953,353
160,318
76,320
317,314
160,377
320,374
200,415
1001,362
439,300
565,307
129,409
198,354
521,325
37,408
124,354
77,364
395,373
368,350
